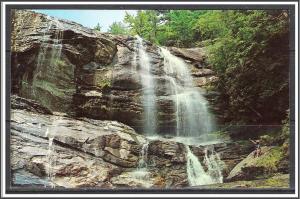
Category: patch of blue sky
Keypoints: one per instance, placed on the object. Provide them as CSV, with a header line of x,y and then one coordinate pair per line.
x,y
89,18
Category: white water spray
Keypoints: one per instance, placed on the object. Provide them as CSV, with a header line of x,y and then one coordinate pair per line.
x,y
142,172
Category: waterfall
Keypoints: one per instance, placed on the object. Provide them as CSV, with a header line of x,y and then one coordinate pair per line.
x,y
147,80
144,156
57,45
43,49
193,118
192,115
196,173
45,57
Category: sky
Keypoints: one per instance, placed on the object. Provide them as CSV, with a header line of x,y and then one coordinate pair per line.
x,y
89,18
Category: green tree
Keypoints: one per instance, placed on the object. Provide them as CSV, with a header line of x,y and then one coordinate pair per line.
x,y
97,27
118,28
143,24
179,26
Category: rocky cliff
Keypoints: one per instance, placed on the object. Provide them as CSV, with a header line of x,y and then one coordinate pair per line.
x,y
69,68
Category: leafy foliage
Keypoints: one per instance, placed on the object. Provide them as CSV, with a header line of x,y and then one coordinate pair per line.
x,y
143,24
252,59
118,28
179,27
271,160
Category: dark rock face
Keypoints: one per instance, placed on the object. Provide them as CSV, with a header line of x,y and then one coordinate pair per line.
x,y
46,53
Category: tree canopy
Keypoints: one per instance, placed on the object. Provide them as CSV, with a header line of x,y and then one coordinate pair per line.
x,y
118,28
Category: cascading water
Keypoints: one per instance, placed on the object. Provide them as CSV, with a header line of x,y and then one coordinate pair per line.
x,y
57,45
192,115
142,174
149,97
144,156
214,165
50,157
195,171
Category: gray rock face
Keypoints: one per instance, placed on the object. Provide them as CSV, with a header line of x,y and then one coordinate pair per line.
x,y
61,151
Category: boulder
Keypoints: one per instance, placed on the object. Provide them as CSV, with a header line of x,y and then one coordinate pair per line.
x,y
252,167
196,55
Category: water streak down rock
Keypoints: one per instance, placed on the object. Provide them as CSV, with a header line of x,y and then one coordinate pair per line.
x,y
149,96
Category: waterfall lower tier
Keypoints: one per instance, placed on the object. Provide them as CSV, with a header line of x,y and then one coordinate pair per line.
x,y
214,165
144,156
141,173
196,173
